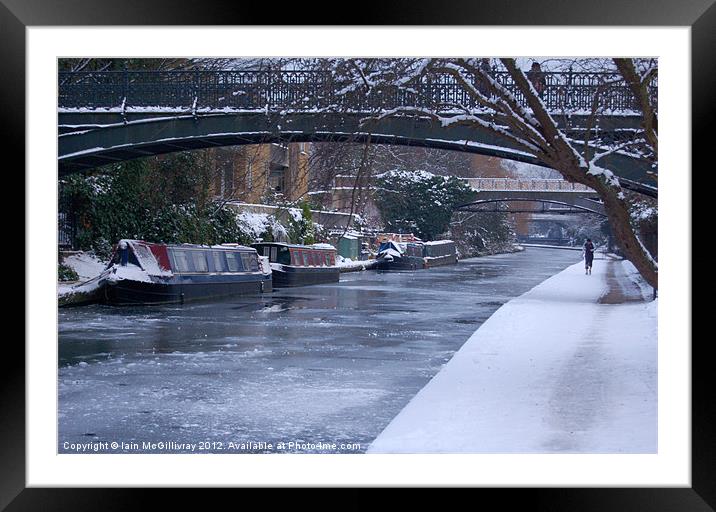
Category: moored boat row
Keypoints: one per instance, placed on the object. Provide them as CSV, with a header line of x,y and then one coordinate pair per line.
x,y
141,272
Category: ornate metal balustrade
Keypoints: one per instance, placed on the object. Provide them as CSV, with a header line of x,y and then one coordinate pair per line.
x,y
572,92
533,185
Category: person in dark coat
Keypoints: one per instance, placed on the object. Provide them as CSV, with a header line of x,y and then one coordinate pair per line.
x,y
487,70
588,248
536,76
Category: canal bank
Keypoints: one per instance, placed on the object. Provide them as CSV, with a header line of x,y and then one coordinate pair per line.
x,y
568,367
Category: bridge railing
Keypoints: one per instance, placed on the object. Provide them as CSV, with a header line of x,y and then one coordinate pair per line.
x,y
535,185
306,90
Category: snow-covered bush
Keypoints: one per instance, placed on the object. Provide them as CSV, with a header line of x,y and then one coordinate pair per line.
x,y
261,226
300,225
419,202
65,273
163,202
479,234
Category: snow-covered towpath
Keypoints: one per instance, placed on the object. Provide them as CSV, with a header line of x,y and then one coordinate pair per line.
x,y
568,367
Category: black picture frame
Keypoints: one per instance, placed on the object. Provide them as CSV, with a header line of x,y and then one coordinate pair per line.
x,y
16,15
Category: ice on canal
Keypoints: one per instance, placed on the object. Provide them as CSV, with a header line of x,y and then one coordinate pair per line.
x,y
331,364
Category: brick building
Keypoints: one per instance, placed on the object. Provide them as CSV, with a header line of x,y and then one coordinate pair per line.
x,y
250,173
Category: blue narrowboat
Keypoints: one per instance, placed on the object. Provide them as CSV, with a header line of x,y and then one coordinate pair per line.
x,y
300,265
399,256
148,273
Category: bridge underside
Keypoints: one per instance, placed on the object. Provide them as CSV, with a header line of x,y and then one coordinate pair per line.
x,y
575,204
562,216
91,139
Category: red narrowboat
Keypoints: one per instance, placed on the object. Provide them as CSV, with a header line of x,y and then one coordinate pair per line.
x,y
300,265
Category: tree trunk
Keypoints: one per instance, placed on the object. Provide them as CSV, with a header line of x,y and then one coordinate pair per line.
x,y
620,221
617,211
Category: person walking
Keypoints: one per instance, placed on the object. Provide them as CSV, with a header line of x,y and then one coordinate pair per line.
x,y
588,249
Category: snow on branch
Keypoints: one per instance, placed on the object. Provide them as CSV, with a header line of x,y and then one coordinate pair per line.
x,y
616,149
502,101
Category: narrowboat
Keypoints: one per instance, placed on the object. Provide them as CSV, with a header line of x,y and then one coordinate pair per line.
x,y
300,265
401,256
149,273
439,252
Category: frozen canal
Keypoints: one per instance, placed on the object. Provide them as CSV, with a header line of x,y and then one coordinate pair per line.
x,y
319,369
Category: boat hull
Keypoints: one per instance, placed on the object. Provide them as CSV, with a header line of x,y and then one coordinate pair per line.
x,y
128,292
437,261
410,263
404,264
304,276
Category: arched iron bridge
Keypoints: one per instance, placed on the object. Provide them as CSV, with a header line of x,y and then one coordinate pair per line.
x,y
111,116
578,197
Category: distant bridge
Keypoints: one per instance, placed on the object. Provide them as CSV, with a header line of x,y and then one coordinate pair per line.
x,y
548,244
112,116
575,196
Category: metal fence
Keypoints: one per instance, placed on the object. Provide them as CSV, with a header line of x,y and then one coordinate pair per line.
x,y
537,185
307,90
66,230
66,223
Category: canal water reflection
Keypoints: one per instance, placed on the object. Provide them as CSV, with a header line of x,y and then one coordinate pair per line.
x,y
329,364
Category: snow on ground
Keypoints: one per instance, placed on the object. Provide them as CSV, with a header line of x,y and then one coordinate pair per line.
x,y
86,288
550,371
86,265
347,264
647,292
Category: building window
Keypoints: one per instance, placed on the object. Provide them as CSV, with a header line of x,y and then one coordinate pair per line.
x,y
277,180
228,182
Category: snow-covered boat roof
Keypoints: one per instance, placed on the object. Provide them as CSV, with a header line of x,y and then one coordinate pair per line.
x,y
226,246
318,247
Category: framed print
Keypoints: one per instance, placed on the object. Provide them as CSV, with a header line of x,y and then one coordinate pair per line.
x,y
676,474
